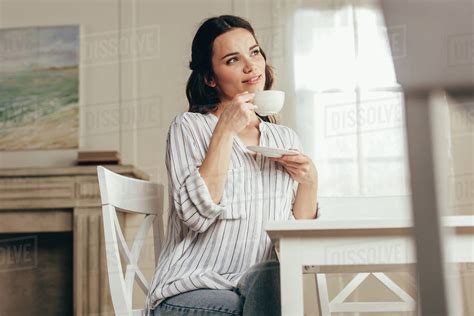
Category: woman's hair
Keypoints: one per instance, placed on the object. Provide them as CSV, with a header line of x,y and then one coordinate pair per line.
x,y
201,97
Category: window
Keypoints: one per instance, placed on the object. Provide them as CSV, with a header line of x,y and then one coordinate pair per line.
x,y
349,106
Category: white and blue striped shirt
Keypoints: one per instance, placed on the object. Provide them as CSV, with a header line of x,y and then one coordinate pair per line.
x,y
212,245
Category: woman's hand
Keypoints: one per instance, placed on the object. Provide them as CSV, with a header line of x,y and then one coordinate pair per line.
x,y
239,113
300,167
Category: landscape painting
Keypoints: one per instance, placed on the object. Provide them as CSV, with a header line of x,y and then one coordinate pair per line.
x,y
39,88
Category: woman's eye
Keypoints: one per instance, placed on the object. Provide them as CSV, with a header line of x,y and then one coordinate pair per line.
x,y
231,61
256,52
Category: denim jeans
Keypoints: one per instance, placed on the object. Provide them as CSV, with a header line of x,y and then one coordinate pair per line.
x,y
257,293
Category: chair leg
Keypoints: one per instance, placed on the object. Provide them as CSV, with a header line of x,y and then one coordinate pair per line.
x,y
323,295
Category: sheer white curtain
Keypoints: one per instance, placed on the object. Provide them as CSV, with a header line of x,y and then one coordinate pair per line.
x,y
349,109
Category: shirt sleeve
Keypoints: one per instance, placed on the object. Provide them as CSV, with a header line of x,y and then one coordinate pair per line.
x,y
191,198
296,144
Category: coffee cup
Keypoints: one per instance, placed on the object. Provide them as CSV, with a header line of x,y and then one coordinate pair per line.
x,y
268,102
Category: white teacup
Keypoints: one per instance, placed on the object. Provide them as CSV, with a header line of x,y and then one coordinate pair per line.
x,y
268,102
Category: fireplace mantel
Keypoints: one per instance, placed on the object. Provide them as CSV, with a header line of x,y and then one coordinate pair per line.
x,y
34,200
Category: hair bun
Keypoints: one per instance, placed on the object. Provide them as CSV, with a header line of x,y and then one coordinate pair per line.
x,y
192,65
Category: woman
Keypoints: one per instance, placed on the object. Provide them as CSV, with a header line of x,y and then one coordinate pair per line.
x,y
216,256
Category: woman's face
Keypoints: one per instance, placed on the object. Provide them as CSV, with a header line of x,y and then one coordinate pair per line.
x,y
237,63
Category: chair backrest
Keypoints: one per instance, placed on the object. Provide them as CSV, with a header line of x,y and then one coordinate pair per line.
x,y
132,196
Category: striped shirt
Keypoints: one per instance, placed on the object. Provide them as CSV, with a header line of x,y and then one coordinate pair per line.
x,y
211,245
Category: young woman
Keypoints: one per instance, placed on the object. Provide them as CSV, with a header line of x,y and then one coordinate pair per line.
x,y
217,256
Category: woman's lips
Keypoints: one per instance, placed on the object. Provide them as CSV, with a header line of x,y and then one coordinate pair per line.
x,y
253,80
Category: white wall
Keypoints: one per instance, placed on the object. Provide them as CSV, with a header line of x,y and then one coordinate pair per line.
x,y
145,88
125,104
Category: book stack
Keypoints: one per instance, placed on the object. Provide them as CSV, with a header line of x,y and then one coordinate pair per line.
x,y
103,157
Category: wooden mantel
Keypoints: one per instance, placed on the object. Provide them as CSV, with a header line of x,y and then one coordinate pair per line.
x,y
64,199
39,188
68,171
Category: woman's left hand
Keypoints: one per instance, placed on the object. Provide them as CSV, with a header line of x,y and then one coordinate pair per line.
x,y
300,167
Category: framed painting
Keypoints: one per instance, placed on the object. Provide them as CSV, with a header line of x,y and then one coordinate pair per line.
x,y
39,88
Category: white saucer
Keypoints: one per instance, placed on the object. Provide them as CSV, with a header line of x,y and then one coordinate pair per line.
x,y
272,152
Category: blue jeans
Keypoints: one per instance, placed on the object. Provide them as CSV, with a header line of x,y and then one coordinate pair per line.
x,y
258,293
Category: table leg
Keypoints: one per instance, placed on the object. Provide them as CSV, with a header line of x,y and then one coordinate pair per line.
x,y
291,278
323,295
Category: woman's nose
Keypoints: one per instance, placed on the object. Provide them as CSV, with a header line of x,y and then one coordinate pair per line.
x,y
249,66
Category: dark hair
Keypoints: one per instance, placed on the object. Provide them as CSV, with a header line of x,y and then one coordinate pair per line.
x,y
202,98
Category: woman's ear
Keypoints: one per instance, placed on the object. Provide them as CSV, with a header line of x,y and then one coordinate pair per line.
x,y
210,82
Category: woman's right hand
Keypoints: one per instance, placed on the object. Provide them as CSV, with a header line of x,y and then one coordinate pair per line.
x,y
239,113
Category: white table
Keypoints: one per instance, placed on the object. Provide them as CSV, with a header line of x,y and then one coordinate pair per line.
x,y
355,245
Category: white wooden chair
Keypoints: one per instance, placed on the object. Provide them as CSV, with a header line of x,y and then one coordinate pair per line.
x,y
132,196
